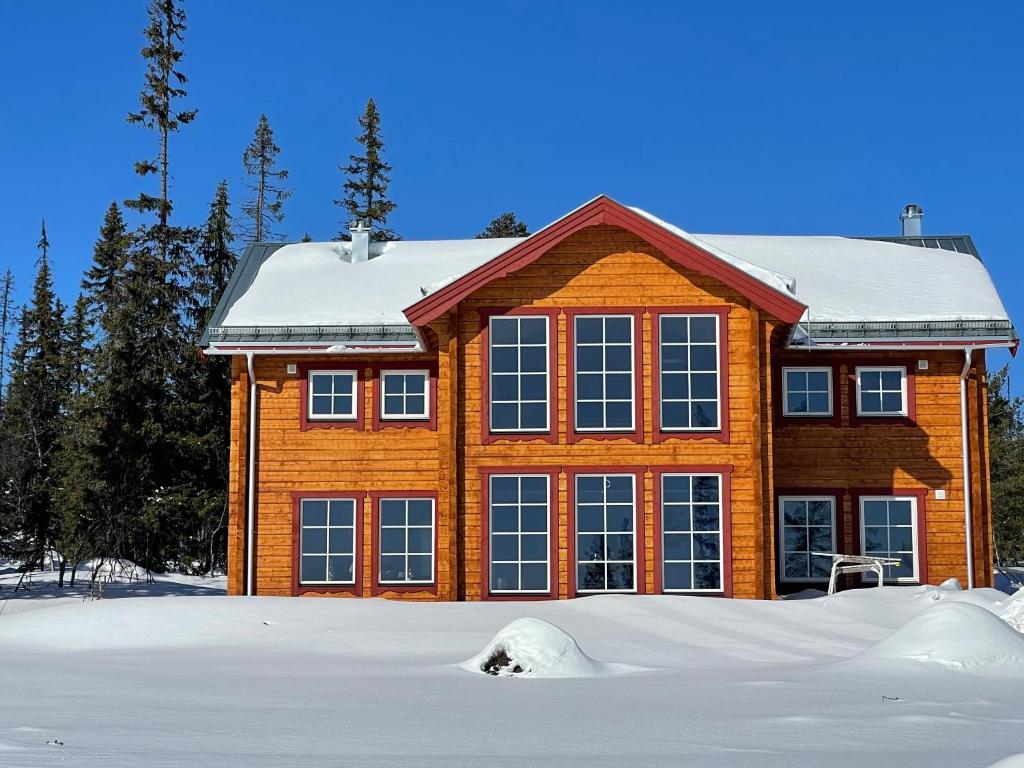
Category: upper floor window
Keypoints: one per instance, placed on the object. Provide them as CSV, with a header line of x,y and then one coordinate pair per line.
x,y
332,395
327,541
604,376
406,395
689,384
807,391
882,391
519,376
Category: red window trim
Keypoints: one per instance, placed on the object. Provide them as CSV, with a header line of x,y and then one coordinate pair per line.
x,y
551,434
376,588
854,363
298,588
838,529
485,529
378,423
637,433
640,537
921,494
725,470
722,433
781,419
306,423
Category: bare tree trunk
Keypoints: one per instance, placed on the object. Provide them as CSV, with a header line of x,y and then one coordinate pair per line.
x,y
74,571
261,196
60,574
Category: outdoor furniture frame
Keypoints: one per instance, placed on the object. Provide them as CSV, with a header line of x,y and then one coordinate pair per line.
x,y
855,564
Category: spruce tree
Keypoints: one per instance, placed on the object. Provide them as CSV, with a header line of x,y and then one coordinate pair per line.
x,y
1006,458
505,225
266,208
104,278
367,178
157,104
6,323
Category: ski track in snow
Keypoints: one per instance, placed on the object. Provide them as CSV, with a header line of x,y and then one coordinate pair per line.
x,y
167,675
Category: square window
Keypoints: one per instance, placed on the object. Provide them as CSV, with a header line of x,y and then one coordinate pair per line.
x,y
882,391
331,395
807,391
405,395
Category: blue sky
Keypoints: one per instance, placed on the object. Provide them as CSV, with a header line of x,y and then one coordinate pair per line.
x,y
778,118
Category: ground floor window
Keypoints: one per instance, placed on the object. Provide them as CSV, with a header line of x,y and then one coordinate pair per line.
x,y
888,528
691,525
406,541
327,541
806,525
519,543
605,513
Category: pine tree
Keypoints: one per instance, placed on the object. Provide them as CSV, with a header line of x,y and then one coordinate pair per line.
x,y
157,100
6,321
267,207
505,225
366,186
32,419
1006,456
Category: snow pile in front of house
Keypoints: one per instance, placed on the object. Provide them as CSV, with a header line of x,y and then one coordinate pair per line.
x,y
1013,761
536,648
958,635
1011,610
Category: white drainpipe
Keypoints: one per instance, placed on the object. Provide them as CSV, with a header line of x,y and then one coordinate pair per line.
x,y
968,353
250,487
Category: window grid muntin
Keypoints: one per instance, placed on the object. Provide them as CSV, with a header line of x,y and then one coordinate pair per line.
x,y
882,390
889,552
807,391
406,415
783,526
518,374
519,533
604,373
689,505
327,528
605,532
406,527
334,376
687,371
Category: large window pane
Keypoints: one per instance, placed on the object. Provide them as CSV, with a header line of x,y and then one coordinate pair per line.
x,y
691,524
689,375
519,535
605,512
519,375
806,525
327,541
888,529
332,395
603,357
406,541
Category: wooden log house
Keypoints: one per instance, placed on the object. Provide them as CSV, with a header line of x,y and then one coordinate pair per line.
x,y
608,405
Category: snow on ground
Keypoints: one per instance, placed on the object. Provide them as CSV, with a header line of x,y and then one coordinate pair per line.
x,y
856,679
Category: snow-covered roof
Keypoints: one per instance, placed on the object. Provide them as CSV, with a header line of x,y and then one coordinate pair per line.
x,y
839,279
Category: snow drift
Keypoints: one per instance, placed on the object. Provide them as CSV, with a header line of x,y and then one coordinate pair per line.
x,y
1011,610
536,648
958,635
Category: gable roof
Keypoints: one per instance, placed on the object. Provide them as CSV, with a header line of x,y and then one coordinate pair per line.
x,y
769,290
852,288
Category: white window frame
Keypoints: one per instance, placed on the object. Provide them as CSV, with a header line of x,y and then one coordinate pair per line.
x,y
327,527
903,412
782,537
353,415
519,374
689,373
519,534
605,532
604,401
785,392
721,533
380,536
872,578
425,415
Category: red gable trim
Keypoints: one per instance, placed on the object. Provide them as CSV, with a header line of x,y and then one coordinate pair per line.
x,y
604,210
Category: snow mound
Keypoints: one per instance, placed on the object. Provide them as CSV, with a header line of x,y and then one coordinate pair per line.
x,y
1013,761
536,648
955,634
953,585
1011,610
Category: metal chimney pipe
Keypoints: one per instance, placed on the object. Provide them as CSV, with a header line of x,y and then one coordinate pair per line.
x,y
910,220
360,231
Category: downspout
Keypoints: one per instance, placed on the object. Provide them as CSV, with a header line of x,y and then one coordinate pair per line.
x,y
968,354
250,485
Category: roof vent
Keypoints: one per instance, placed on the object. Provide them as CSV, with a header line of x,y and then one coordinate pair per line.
x,y
910,220
360,231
